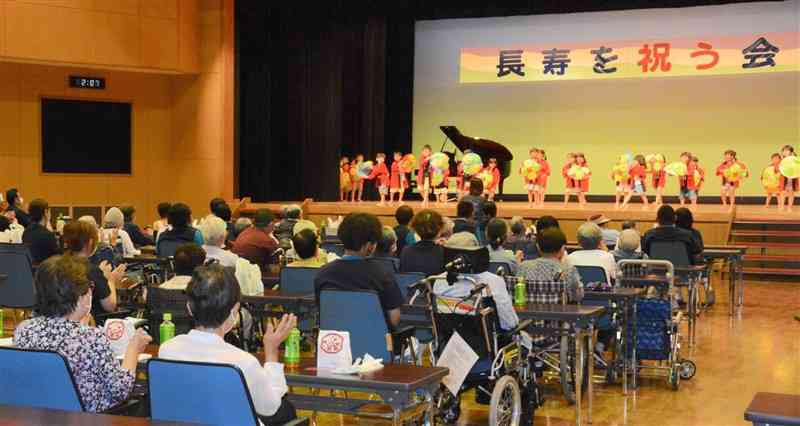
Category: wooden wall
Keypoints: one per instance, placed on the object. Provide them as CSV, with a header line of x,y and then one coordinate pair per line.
x,y
172,59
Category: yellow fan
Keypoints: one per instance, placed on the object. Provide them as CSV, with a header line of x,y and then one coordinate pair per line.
x,y
407,163
790,167
577,172
487,178
530,169
770,179
676,169
735,172
620,172
437,177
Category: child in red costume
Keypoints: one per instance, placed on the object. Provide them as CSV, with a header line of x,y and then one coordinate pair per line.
x,y
424,174
491,189
638,179
382,174
728,193
540,186
397,181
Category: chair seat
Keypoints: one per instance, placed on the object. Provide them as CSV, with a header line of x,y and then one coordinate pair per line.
x,y
481,369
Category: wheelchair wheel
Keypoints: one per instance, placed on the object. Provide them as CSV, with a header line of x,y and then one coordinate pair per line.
x,y
686,369
447,406
567,364
505,408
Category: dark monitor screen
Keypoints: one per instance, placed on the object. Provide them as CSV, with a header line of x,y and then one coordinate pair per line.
x,y
86,136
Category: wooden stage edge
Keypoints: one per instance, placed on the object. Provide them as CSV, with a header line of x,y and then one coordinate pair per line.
x,y
710,213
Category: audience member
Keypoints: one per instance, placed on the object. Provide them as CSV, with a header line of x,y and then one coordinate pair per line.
x,y
425,256
496,235
180,229
465,212
629,224
187,257
162,224
15,202
360,233
489,211
214,205
113,234
215,232
476,198
463,286
448,227
610,236
41,241
285,228
552,265
405,237
257,244
668,232
387,245
546,222
10,232
628,247
81,240
214,301
685,220
592,252
307,251
223,211
520,240
241,224
138,237
63,303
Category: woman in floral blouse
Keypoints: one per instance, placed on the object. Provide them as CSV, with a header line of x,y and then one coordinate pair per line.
x,y
64,300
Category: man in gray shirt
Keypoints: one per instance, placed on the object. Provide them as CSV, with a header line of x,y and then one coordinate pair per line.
x,y
552,264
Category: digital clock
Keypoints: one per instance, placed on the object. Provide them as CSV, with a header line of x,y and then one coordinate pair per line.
x,y
83,82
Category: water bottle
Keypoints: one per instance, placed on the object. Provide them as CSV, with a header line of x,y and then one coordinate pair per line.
x,y
520,292
166,330
1,322
291,356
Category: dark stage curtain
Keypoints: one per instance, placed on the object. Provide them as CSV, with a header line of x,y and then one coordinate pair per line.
x,y
317,80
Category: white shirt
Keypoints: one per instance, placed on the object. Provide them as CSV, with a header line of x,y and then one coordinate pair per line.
x,y
178,282
595,258
128,249
266,383
497,286
224,257
13,234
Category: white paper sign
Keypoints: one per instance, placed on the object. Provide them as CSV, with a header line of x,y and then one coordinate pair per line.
x,y
459,357
333,350
119,333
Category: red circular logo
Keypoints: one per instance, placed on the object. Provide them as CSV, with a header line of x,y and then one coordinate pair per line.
x,y
332,343
115,330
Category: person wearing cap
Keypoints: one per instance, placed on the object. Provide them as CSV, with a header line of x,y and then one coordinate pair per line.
x,y
14,200
464,285
114,235
256,243
610,236
593,251
628,247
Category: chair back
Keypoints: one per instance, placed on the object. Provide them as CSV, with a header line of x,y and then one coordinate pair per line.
x,y
197,392
405,279
390,265
553,292
672,251
17,291
40,379
500,268
297,281
331,247
360,314
161,301
167,248
645,273
593,277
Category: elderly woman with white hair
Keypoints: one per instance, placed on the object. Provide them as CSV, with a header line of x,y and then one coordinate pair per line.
x,y
215,232
464,285
593,252
113,234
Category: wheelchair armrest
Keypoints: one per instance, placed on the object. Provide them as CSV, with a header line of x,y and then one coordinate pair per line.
x,y
301,421
398,337
516,330
691,268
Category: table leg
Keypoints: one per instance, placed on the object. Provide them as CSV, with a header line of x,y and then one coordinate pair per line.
x,y
740,279
731,285
590,385
692,312
635,343
625,344
579,347
396,418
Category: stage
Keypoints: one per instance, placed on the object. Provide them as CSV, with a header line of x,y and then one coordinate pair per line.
x,y
713,220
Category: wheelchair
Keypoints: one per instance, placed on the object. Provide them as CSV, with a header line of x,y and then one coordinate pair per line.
x,y
657,335
503,376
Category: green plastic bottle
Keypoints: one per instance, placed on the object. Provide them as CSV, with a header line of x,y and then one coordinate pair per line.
x,y
520,292
291,356
167,329
2,324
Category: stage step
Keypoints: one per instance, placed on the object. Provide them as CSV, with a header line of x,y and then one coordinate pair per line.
x,y
771,258
771,271
768,245
765,233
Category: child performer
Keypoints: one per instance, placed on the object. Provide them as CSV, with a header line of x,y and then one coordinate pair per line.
x,y
772,185
442,188
620,174
659,177
569,182
344,179
530,185
789,185
688,183
699,175
541,179
424,174
583,183
491,189
397,182
638,179
357,181
382,173
728,193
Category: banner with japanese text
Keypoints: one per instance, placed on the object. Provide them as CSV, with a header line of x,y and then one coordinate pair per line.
x,y
699,56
